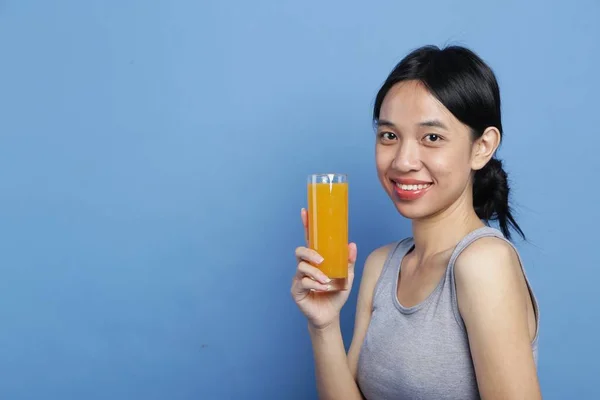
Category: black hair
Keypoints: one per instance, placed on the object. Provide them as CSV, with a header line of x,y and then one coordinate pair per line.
x,y
467,87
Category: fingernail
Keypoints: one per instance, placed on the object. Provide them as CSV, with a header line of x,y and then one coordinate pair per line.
x,y
324,279
319,260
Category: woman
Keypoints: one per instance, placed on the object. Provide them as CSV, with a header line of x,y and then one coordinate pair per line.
x,y
447,313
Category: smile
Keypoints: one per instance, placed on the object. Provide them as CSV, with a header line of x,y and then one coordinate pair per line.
x,y
411,191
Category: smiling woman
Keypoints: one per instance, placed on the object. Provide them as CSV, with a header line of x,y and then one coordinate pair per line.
x,y
447,313
457,97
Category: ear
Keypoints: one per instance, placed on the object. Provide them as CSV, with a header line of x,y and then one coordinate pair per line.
x,y
484,148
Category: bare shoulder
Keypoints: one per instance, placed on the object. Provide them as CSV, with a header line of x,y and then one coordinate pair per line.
x,y
376,260
489,279
487,256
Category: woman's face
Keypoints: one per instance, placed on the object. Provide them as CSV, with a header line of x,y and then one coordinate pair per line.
x,y
423,153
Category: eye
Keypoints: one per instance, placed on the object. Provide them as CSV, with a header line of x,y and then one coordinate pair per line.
x,y
387,136
432,138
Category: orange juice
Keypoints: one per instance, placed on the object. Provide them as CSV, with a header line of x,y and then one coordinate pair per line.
x,y
328,224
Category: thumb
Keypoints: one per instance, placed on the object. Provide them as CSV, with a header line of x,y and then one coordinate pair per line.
x,y
351,261
352,252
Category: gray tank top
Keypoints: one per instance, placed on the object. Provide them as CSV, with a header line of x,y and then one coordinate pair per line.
x,y
421,352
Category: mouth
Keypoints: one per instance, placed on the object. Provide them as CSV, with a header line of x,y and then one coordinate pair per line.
x,y
411,191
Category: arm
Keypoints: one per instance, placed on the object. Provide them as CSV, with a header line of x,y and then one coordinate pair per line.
x,y
336,372
493,300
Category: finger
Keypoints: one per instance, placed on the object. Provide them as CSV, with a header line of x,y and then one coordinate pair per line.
x,y
304,217
301,288
308,284
307,270
309,255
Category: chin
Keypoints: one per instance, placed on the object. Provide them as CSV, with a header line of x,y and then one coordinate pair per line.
x,y
412,210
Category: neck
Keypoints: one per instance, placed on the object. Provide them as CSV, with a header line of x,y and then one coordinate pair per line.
x,y
444,230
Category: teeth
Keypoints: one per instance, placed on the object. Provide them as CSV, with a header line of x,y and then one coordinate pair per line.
x,y
413,187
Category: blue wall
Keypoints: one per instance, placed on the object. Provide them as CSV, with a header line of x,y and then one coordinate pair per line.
x,y
153,157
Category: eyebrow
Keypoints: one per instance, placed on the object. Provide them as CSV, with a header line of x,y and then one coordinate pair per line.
x,y
384,122
434,123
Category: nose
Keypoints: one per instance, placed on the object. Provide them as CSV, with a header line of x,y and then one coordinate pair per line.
x,y
407,157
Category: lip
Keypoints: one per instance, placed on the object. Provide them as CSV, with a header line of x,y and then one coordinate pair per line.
x,y
410,194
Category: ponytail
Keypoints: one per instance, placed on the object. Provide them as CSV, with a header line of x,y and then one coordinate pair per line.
x,y
490,197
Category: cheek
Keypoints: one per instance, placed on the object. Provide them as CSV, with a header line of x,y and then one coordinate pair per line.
x,y
447,168
383,159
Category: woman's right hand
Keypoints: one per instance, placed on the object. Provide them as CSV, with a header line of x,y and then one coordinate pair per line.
x,y
310,287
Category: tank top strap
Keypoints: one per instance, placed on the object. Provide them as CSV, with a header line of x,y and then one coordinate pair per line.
x,y
485,231
389,272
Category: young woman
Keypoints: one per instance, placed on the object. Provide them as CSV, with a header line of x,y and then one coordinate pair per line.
x,y
447,313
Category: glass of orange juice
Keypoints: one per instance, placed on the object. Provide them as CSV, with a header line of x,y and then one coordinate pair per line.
x,y
328,224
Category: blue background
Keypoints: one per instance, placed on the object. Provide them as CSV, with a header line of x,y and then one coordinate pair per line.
x,y
153,158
